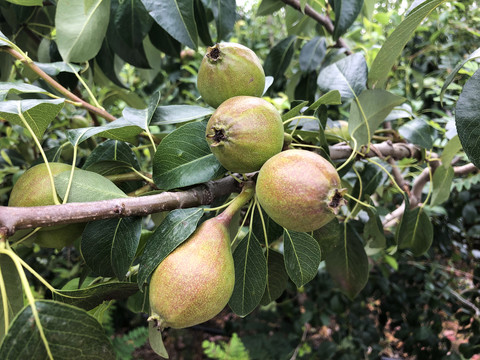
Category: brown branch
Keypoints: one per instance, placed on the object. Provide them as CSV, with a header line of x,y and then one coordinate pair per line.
x,y
386,149
93,109
15,218
323,20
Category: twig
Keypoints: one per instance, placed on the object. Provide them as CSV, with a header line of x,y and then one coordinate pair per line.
x,y
93,109
15,218
321,19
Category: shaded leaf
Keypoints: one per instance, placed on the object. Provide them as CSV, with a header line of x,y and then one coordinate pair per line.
x,y
19,88
176,17
163,41
346,11
451,149
131,21
184,158
174,230
347,263
225,17
250,276
13,291
175,114
415,231
373,232
274,231
55,68
312,54
442,183
156,341
277,277
302,256
80,28
93,295
109,246
331,98
118,153
467,118
201,20
279,57
268,7
67,330
418,132
348,76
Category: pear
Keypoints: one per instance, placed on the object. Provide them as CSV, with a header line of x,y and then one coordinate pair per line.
x,y
195,282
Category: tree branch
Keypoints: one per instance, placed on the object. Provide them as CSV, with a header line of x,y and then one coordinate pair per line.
x,y
325,21
93,109
15,218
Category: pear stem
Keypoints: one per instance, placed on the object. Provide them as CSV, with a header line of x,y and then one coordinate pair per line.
x,y
248,190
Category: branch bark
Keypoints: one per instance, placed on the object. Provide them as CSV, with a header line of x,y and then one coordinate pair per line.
x,y
325,21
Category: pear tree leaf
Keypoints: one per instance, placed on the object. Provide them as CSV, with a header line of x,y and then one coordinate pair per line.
x,y
19,88
81,27
37,113
346,11
442,183
347,263
163,41
373,231
329,236
268,7
3,42
184,158
120,129
454,72
418,132
109,246
176,114
371,177
312,54
131,21
250,276
279,57
110,157
415,231
13,289
176,17
348,76
297,108
55,68
368,111
27,2
86,186
277,277
174,230
450,150
330,98
393,46
201,18
67,329
142,117
225,17
274,231
302,256
93,295
156,341
467,118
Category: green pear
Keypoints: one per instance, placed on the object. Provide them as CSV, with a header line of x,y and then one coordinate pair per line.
x,y
195,282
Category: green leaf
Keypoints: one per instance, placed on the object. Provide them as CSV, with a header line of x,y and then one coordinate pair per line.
x,y
184,158
442,183
81,27
111,157
177,18
302,256
55,68
156,341
109,246
312,54
347,263
274,231
393,46
371,107
451,150
225,17
3,43
67,330
27,2
348,76
295,110
415,231
176,114
268,7
371,178
346,11
13,289
87,186
329,237
250,276
19,88
120,129
277,277
279,57
373,232
467,118
201,19
454,72
131,21
174,230
142,117
418,132
163,41
331,98
95,294
38,113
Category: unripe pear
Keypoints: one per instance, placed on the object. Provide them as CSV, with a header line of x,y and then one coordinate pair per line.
x,y
299,190
33,188
338,131
228,70
194,282
244,132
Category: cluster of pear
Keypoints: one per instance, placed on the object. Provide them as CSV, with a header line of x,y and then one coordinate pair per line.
x,y
298,189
